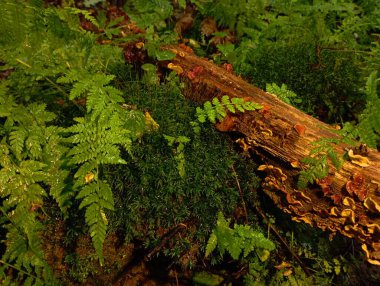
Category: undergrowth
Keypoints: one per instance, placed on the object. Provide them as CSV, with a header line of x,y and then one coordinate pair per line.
x,y
84,139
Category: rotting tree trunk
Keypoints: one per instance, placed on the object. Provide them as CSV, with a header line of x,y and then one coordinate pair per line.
x,y
281,136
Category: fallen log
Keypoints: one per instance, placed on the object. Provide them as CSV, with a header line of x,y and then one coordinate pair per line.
x,y
347,200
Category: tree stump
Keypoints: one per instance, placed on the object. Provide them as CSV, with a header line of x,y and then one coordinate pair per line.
x,y
347,200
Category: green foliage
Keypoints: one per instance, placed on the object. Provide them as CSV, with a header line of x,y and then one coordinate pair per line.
x,y
217,110
30,161
179,155
67,134
240,240
149,12
334,267
95,144
319,49
317,162
368,128
86,14
40,160
154,41
283,93
204,278
149,192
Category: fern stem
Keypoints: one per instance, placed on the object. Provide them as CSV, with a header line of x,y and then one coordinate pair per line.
x,y
24,63
63,92
11,221
346,51
57,86
19,269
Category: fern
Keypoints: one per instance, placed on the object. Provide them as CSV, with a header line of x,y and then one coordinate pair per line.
x,y
149,12
24,175
49,46
96,139
317,162
179,144
368,128
216,110
237,241
86,14
283,93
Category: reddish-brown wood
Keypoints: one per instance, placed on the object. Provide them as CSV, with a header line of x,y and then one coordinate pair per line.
x,y
347,201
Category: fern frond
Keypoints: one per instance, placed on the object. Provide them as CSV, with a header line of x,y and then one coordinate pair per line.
x,y
17,139
283,93
241,239
97,197
86,14
317,169
217,110
149,12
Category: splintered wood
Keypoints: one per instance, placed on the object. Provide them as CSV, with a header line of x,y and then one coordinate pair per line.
x,y
280,136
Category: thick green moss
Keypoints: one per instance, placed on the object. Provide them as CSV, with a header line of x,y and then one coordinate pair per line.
x,y
328,84
151,195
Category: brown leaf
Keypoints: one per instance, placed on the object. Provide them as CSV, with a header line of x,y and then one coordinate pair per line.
x,y
226,124
283,265
208,26
184,23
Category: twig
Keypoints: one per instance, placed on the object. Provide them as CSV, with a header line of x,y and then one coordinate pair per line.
x,y
241,194
283,241
176,277
166,237
139,260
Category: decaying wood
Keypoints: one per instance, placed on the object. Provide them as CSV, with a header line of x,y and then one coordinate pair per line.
x,y
346,201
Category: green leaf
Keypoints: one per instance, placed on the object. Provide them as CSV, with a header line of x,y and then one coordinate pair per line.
x,y
211,244
164,55
207,279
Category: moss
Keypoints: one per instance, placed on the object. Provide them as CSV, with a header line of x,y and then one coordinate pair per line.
x,y
328,84
152,197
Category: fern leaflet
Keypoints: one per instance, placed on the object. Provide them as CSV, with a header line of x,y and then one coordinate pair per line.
x,y
237,241
217,110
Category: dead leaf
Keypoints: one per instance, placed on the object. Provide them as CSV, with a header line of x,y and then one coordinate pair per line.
x,y
184,21
89,177
283,265
208,26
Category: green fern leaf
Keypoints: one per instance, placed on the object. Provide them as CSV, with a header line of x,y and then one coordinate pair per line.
x,y
86,14
211,244
217,110
17,139
240,239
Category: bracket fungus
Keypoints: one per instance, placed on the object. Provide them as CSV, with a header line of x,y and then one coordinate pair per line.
x,y
372,205
273,171
178,69
357,186
349,202
300,129
358,159
370,254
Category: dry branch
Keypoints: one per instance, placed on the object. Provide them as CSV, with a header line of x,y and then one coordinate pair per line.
x,y
346,201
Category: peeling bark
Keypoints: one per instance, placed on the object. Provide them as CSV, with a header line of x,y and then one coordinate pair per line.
x,y
346,201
